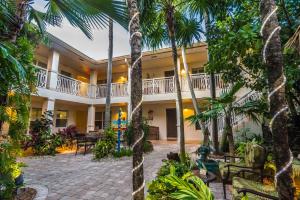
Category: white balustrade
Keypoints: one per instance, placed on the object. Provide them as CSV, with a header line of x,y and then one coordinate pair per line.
x,y
41,76
117,90
72,86
236,119
162,85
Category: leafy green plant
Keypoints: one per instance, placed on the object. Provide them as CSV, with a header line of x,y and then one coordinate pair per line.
x,y
123,152
159,188
10,169
41,140
188,187
106,145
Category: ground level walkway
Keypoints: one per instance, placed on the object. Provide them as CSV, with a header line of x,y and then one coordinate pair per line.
x,y
70,177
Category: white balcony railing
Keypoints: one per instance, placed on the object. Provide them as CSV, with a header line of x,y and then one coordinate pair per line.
x,y
117,90
72,86
41,76
158,86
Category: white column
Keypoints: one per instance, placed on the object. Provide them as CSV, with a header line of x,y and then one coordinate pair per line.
x,y
129,106
52,67
91,118
48,105
179,72
93,83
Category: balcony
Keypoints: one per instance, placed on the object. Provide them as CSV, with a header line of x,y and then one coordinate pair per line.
x,y
151,87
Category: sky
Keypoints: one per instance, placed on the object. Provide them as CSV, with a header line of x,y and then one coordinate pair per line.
x,y
96,48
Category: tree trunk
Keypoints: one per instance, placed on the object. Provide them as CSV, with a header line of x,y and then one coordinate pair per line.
x,y
214,120
21,13
274,64
194,99
109,75
171,28
136,98
228,129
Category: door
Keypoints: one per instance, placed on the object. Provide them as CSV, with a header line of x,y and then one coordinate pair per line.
x,y
171,123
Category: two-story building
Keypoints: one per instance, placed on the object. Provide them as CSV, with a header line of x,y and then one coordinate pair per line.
x,y
73,85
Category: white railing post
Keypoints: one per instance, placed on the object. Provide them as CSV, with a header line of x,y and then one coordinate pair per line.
x,y
41,76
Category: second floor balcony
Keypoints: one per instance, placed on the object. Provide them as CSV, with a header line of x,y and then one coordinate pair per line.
x,y
151,87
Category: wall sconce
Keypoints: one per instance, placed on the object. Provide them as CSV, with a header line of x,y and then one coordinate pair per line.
x,y
183,72
150,114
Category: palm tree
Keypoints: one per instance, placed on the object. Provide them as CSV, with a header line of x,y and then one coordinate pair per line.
x,y
159,20
274,65
226,106
136,100
109,75
206,10
84,14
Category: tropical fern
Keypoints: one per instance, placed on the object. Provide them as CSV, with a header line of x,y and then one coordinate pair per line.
x,y
189,187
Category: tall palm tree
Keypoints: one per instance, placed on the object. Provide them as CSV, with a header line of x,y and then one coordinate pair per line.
x,y
109,75
136,100
159,20
206,10
274,63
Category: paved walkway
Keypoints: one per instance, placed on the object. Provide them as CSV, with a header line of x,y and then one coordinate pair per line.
x,y
70,177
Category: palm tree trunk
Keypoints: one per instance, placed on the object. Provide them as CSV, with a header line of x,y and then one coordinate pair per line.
x,y
214,120
136,98
274,64
21,13
194,99
109,75
171,27
228,129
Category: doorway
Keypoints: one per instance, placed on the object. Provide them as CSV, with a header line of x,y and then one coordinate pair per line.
x,y
171,123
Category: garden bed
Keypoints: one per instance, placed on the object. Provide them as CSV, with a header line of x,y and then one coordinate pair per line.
x,y
25,194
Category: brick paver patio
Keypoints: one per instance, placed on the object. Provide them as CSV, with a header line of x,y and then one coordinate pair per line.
x,y
70,177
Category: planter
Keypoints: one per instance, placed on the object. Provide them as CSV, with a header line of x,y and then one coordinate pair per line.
x,y
19,181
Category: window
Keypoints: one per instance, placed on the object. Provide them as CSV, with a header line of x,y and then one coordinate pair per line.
x,y
35,114
99,120
41,64
61,118
197,70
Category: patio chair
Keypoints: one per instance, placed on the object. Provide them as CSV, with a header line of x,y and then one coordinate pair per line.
x,y
253,189
254,160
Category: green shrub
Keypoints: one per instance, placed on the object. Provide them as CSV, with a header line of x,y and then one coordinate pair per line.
x,y
42,141
10,169
123,152
106,145
159,188
148,147
128,135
